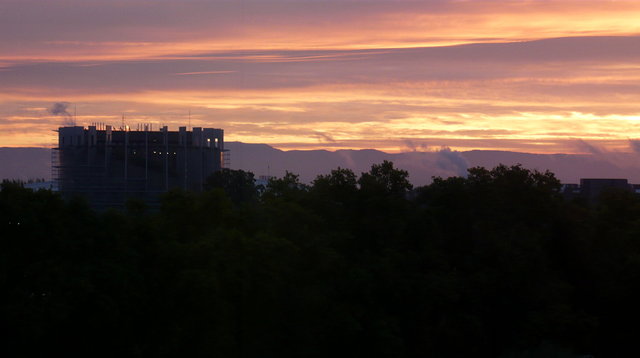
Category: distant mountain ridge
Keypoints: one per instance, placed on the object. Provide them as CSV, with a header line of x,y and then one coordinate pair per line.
x,y
262,159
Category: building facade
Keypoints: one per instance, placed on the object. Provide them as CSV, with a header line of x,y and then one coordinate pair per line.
x,y
108,166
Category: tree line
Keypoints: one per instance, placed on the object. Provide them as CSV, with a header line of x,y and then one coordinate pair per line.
x,y
494,264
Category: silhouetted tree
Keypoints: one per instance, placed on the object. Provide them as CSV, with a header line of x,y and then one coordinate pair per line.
x,y
238,184
385,178
493,264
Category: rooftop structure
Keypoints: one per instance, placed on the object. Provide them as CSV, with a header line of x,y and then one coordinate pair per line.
x,y
109,166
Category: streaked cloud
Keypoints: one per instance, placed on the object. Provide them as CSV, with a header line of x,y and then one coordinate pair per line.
x,y
515,75
203,73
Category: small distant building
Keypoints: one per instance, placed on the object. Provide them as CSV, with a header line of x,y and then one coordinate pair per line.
x,y
264,180
592,188
108,166
40,185
571,191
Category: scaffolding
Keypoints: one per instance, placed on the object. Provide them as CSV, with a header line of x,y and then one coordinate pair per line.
x,y
226,155
109,167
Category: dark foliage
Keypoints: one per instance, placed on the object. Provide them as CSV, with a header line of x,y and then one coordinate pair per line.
x,y
239,185
493,265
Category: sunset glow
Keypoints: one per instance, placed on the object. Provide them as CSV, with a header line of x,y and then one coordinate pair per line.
x,y
533,76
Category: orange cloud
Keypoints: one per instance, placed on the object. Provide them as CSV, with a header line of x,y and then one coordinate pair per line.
x,y
193,28
363,74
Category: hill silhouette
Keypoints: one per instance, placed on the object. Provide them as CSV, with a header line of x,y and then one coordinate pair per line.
x,y
262,159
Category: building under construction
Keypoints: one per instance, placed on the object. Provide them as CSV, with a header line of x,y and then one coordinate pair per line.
x,y
108,166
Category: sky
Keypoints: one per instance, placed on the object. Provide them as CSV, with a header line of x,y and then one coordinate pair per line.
x,y
542,76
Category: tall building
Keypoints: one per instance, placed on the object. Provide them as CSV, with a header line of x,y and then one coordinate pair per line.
x,y
109,166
